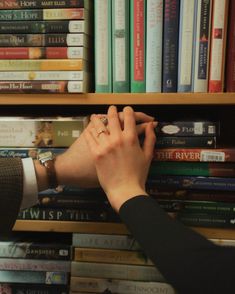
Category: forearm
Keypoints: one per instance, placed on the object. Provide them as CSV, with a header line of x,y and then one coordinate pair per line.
x,y
188,261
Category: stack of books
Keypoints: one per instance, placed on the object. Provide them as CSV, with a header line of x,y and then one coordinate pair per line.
x,y
164,46
35,263
45,46
104,263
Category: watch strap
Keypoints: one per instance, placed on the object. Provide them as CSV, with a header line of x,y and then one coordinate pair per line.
x,y
51,172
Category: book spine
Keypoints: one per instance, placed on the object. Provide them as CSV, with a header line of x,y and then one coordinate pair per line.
x,y
111,256
31,265
42,64
18,4
44,87
116,271
28,288
70,190
202,46
105,241
40,40
120,46
118,286
206,220
187,22
209,207
195,154
44,27
52,278
230,64
187,128
194,182
103,48
30,250
43,14
205,169
154,32
218,45
170,45
43,76
137,46
28,152
43,53
186,142
60,214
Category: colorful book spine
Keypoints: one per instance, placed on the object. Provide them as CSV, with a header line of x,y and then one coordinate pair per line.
x,y
202,46
230,57
111,256
120,46
218,45
186,142
194,183
187,128
44,87
43,64
34,250
27,152
205,169
40,40
65,214
185,59
137,45
44,27
43,14
154,32
30,265
36,132
49,278
103,48
105,241
206,220
189,206
95,285
116,271
43,53
18,4
30,288
43,76
170,45
195,154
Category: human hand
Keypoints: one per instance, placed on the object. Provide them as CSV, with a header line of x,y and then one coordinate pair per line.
x,y
121,163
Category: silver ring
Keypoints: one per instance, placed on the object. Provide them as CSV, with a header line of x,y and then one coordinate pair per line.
x,y
104,120
100,132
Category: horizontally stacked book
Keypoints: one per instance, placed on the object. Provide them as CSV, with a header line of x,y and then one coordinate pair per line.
x,y
46,46
164,46
35,263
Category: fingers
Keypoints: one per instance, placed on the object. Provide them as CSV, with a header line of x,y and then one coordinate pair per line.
x,y
129,121
149,141
99,128
113,121
141,127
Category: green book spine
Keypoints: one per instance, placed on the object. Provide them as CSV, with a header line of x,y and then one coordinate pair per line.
x,y
137,44
103,46
120,46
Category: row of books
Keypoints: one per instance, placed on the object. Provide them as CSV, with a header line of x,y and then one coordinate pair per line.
x,y
164,46
46,48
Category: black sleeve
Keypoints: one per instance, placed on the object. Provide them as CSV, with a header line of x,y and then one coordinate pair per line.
x,y
188,261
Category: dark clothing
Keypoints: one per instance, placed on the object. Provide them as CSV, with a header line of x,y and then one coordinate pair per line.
x,y
188,261
11,191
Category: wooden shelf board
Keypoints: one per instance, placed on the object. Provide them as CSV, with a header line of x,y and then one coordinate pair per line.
x,y
119,99
105,228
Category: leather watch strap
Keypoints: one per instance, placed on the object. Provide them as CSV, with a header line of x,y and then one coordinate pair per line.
x,y
51,173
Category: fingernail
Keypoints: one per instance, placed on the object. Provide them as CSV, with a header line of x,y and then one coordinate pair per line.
x,y
155,123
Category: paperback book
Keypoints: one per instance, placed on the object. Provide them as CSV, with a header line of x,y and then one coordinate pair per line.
x,y
19,4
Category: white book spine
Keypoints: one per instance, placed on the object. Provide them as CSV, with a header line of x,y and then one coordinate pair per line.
x,y
42,75
77,87
79,26
77,40
154,28
187,12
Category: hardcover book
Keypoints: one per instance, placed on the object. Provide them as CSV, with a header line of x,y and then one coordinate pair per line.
x,y
19,4
14,288
186,142
40,132
28,152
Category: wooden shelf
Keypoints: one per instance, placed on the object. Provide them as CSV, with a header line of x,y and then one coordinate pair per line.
x,y
105,228
119,99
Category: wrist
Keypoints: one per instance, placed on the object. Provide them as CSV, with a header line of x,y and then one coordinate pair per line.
x,y
41,176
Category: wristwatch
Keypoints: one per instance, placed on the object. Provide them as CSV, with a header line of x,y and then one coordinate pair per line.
x,y
47,159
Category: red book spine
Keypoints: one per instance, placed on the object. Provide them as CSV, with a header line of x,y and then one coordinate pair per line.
x,y
230,66
34,53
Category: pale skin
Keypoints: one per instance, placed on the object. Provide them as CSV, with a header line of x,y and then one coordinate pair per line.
x,y
76,166
121,163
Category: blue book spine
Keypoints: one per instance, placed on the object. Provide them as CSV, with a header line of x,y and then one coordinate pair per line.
x,y
170,45
27,152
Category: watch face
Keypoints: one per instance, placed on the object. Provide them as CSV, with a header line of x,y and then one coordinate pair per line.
x,y
45,156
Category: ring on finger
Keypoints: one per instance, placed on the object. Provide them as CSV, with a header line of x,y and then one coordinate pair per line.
x,y
100,132
104,120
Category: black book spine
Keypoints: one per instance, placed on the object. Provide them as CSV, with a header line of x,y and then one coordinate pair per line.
x,y
20,4
186,142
